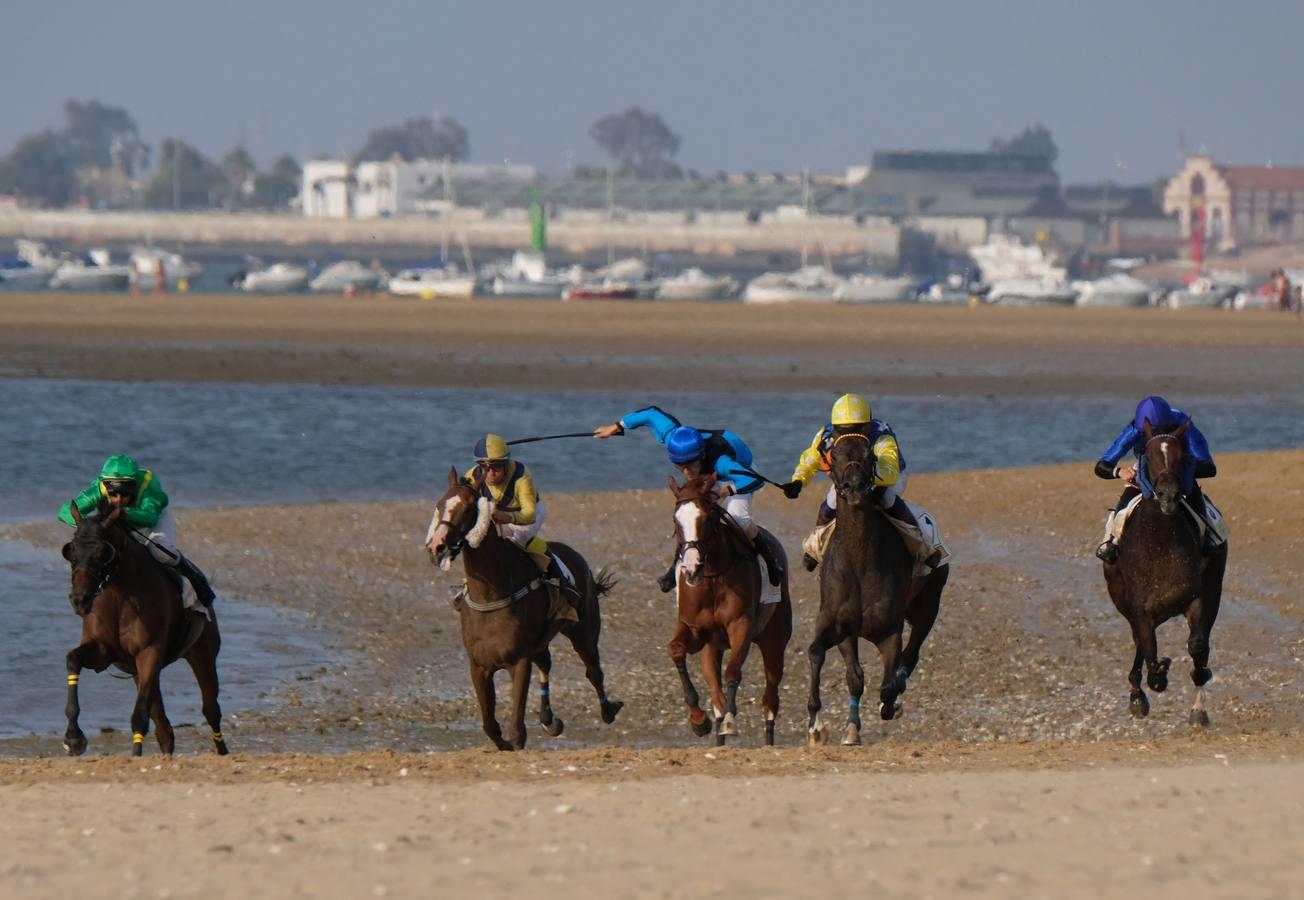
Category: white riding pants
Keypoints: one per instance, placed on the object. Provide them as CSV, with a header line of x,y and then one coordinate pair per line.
x,y
522,534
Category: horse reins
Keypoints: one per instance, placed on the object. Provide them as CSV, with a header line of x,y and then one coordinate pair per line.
x,y
725,520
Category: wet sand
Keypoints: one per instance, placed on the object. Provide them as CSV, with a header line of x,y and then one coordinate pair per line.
x,y
913,349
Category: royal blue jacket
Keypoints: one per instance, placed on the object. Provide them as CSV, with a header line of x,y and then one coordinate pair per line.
x,y
1197,461
726,454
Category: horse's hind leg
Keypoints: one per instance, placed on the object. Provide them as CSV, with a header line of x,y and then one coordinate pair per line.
x,y
893,682
77,659
712,658
1200,618
850,649
167,742
1137,703
147,670
202,659
1156,668
740,642
827,634
585,641
772,643
681,644
551,723
482,680
921,614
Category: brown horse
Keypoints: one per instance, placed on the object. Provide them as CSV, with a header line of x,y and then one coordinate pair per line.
x,y
719,609
867,590
132,618
505,615
1162,573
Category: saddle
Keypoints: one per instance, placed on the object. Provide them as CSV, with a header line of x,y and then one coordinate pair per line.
x,y
563,595
922,542
1211,525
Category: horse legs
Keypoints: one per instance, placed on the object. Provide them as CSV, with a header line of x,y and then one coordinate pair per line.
x,y
712,657
147,671
202,659
681,644
1143,635
585,642
482,680
772,643
167,743
827,634
78,658
850,649
551,723
740,642
1200,616
894,682
521,673
921,614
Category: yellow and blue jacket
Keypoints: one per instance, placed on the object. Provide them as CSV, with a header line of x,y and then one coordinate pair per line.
x,y
516,495
889,461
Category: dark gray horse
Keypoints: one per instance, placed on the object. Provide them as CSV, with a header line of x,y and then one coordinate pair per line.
x,y
866,591
1162,573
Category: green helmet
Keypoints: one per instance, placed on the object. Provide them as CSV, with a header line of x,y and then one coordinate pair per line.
x,y
119,467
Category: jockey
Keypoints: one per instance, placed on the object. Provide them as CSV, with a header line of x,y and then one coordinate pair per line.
x,y
137,492
852,415
696,452
518,511
1197,462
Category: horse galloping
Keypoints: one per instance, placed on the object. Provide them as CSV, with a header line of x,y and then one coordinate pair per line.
x,y
867,590
506,613
132,618
719,608
1162,573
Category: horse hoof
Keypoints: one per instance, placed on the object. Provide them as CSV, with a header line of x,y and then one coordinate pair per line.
x,y
1198,718
610,709
1139,706
853,736
1158,682
75,746
888,713
221,748
555,727
702,728
728,725
818,737
719,739
137,749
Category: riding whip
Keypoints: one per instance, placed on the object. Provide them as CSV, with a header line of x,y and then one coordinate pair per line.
x,y
550,437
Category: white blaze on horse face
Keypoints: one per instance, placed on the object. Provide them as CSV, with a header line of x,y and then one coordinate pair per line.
x,y
689,516
437,535
1164,447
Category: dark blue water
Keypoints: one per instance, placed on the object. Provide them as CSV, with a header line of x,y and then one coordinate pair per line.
x,y
249,444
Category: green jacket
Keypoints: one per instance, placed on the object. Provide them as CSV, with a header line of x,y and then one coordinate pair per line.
x,y
142,512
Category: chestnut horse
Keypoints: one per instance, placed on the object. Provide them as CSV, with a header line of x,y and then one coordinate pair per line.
x,y
132,618
505,615
1162,573
867,591
719,609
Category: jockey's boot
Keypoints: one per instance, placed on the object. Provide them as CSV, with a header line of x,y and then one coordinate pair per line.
x,y
1107,552
555,573
899,511
198,580
766,551
808,562
668,580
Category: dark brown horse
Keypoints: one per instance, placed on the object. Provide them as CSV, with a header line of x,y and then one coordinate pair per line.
x,y
132,618
505,615
719,608
867,591
1162,573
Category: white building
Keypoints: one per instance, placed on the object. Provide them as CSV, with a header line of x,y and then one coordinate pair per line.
x,y
395,187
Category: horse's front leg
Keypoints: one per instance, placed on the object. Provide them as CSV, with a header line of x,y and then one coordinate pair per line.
x,y
482,680
893,681
147,672
740,642
827,634
77,659
681,644
850,649
712,661
521,673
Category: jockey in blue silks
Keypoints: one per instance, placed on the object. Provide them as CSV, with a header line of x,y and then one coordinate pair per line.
x,y
694,452
1197,462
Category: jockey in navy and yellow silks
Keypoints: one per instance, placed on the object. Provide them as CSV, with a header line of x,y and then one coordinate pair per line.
x,y
144,505
695,451
1197,462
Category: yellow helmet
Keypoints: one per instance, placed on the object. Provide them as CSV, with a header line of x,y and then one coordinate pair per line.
x,y
492,447
851,409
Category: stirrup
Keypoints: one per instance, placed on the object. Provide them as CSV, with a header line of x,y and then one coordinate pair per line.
x,y
1107,552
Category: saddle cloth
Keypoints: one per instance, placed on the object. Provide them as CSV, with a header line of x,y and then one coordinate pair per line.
x,y
922,542
1211,521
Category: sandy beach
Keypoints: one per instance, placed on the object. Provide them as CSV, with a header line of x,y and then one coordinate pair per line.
x,y
1015,769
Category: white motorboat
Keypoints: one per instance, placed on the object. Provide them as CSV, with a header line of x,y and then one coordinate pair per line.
x,y
694,284
347,277
812,284
1117,290
278,278
1005,258
1202,293
30,270
868,288
1032,292
432,282
92,272
178,272
527,275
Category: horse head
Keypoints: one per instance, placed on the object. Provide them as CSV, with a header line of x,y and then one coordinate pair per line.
x,y
1163,454
462,519
694,509
95,552
851,465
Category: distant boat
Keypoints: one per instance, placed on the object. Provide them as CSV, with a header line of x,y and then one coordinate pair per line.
x,y
432,282
527,275
92,272
812,284
278,278
1032,292
954,289
346,277
866,288
30,270
694,284
1116,290
176,270
1202,293
607,290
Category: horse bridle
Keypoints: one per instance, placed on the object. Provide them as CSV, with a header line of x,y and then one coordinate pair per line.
x,y
110,569
455,547
1156,437
709,508
870,467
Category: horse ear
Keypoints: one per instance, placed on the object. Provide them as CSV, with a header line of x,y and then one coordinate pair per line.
x,y
1147,428
66,551
1181,429
75,512
673,485
452,476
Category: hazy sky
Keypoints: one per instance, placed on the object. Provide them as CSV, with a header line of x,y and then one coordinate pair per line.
x,y
763,86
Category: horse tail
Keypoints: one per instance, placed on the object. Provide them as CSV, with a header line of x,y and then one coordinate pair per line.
x,y
603,581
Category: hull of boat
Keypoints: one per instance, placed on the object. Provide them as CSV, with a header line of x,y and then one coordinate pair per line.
x,y
275,283
776,294
90,280
597,293
512,287
447,289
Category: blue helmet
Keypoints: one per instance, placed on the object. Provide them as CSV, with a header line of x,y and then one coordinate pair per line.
x,y
1157,412
685,444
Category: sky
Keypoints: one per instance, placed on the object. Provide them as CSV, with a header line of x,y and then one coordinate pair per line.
x,y
749,86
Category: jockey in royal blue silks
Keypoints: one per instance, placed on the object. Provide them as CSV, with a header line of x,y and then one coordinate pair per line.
x,y
698,451
1197,462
